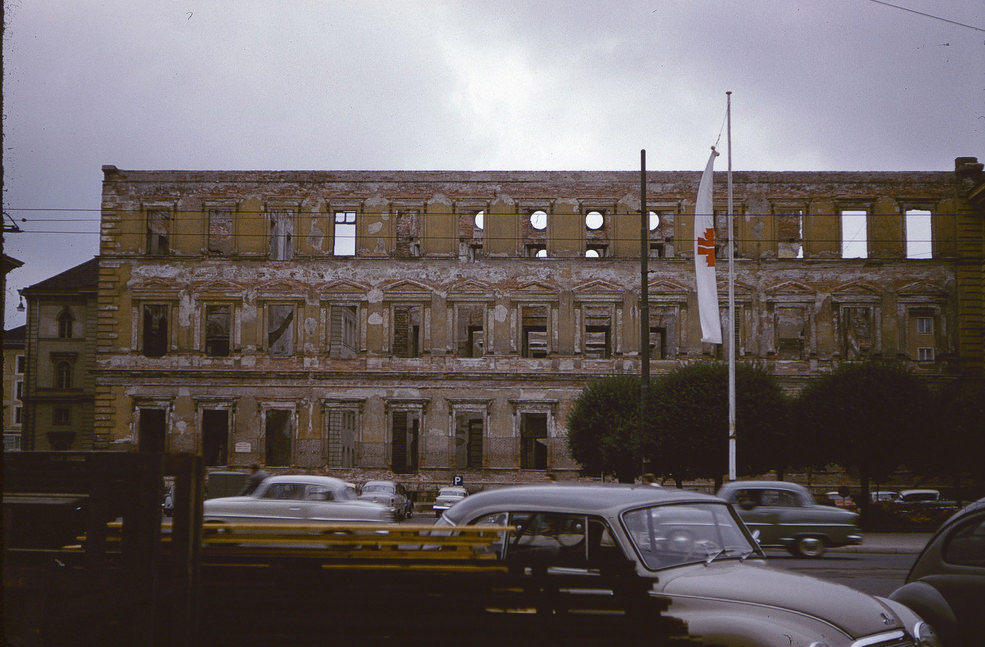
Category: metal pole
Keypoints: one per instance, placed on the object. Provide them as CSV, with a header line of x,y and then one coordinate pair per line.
x,y
644,287
731,304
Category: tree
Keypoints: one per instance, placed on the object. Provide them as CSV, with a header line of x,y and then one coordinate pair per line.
x,y
957,443
603,427
687,423
864,417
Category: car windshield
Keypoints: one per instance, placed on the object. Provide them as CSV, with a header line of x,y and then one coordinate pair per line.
x,y
449,492
674,534
370,488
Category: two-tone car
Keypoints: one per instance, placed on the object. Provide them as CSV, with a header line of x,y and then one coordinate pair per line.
x,y
296,499
698,555
784,514
447,497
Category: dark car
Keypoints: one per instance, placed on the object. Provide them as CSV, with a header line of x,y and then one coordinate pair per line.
x,y
946,585
695,552
785,514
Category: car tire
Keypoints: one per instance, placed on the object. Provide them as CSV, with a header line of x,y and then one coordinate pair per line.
x,y
810,547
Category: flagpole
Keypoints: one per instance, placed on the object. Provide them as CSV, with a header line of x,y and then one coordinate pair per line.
x,y
731,303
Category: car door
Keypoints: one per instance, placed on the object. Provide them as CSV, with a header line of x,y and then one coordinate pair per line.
x,y
757,510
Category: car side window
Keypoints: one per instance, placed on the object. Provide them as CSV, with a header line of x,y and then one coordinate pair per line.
x,y
283,491
966,547
319,493
547,539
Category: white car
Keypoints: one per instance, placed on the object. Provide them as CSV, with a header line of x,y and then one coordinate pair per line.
x,y
296,499
447,497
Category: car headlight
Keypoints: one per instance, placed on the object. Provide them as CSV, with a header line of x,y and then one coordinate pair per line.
x,y
925,635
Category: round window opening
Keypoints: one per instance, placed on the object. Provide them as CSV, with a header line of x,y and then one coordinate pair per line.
x,y
594,220
538,220
479,219
654,220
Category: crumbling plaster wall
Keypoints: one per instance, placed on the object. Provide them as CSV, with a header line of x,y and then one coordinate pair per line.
x,y
770,290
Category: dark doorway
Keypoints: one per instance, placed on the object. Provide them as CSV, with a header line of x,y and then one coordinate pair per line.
x,y
215,436
153,426
279,429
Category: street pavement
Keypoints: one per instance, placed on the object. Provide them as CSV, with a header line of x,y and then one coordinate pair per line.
x,y
901,543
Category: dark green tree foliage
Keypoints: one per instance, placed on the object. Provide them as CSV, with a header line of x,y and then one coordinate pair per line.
x,y
956,448
603,427
687,422
865,417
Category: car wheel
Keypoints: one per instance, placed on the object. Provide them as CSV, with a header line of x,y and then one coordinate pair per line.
x,y
810,547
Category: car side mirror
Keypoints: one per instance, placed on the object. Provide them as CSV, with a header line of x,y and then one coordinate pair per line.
x,y
747,505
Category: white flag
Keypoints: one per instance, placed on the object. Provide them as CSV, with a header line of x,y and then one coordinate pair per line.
x,y
704,256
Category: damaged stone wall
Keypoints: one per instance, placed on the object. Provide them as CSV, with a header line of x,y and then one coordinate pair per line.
x,y
445,341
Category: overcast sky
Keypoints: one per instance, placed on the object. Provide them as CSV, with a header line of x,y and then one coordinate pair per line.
x,y
471,85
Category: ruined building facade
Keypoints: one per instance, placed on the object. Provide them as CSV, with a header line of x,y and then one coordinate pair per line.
x,y
440,323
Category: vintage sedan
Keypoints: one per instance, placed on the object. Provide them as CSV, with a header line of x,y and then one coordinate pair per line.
x,y
947,582
447,497
296,499
391,494
785,515
699,556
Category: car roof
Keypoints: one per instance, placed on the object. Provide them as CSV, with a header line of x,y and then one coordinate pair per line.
x,y
379,482
776,485
580,498
919,490
307,479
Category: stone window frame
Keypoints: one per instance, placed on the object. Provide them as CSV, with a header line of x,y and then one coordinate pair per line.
x,y
787,205
470,246
66,323
610,301
598,239
139,404
868,207
345,207
63,376
662,237
401,295
355,406
297,306
210,207
234,328
215,403
138,336
151,244
922,301
264,406
290,248
534,406
458,406
791,296
417,406
929,206
841,303
473,295
535,240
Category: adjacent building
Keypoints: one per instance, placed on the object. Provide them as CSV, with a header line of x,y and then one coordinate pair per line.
x,y
59,351
432,324
14,368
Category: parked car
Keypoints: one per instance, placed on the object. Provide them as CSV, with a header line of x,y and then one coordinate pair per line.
x,y
391,494
447,497
946,584
296,499
839,500
699,556
785,515
883,496
923,505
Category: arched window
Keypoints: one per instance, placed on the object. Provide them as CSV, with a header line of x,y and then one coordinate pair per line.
x,y
63,375
65,320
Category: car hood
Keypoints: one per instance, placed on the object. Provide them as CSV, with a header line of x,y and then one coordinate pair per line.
x,y
750,583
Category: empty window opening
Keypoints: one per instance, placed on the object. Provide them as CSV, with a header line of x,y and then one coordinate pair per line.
x,y
479,220
468,439
533,441
469,334
281,235
536,250
345,233
854,234
220,231
406,429
215,436
342,342
155,334
340,437
280,330
153,426
597,334
919,240
535,340
654,220
217,330
658,343
594,220
538,220
65,321
279,431
790,332
790,233
407,331
158,228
